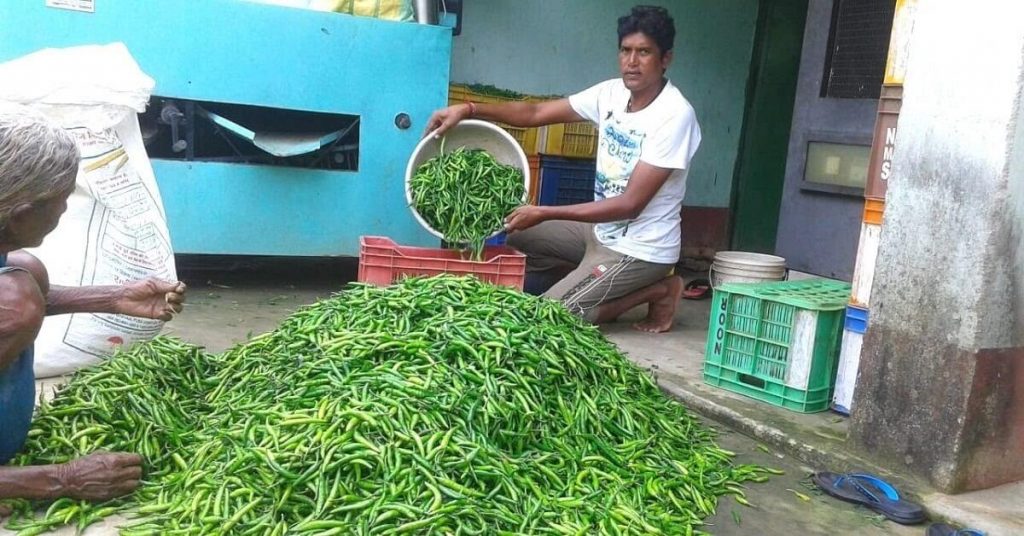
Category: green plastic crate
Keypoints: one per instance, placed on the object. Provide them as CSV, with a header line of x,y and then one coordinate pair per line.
x,y
777,342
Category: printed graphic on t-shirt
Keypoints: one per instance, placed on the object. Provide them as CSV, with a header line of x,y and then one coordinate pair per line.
x,y
619,150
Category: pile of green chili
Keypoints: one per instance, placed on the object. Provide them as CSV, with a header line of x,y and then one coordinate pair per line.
x,y
436,406
466,194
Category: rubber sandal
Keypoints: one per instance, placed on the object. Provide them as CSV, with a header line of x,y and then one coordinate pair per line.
x,y
942,529
698,289
871,492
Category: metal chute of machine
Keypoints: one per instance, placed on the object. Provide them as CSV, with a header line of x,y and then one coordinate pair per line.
x,y
279,143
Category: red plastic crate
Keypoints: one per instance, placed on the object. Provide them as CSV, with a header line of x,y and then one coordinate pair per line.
x,y
382,262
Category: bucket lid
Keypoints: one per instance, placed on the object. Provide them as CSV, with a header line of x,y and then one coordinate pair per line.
x,y
751,270
749,259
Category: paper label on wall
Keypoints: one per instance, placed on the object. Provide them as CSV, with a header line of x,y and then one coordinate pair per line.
x,y
88,6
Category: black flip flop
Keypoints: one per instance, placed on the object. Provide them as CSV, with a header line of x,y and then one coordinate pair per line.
x,y
698,289
871,492
942,529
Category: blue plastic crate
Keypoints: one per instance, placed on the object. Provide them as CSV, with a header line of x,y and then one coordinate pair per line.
x,y
497,240
856,319
566,181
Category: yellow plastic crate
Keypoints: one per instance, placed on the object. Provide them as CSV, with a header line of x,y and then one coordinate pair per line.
x,y
577,140
527,137
460,93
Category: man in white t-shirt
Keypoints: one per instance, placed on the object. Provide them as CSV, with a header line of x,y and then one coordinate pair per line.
x,y
618,251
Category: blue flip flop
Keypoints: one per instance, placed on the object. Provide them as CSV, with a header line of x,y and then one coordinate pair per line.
x,y
871,492
942,529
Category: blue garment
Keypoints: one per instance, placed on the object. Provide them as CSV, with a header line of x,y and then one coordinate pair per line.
x,y
17,400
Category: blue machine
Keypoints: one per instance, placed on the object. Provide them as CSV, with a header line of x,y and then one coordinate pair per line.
x,y
272,130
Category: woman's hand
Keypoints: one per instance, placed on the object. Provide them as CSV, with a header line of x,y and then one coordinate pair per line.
x,y
151,298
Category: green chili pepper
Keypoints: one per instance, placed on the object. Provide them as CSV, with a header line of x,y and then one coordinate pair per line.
x,y
465,195
441,405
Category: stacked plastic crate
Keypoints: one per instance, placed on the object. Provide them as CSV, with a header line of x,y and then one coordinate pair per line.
x,y
573,140
567,165
879,171
527,137
566,181
858,311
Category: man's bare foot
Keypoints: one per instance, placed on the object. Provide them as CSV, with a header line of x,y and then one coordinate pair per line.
x,y
662,310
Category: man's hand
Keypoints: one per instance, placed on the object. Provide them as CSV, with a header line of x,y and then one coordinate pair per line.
x,y
151,298
100,476
525,217
446,118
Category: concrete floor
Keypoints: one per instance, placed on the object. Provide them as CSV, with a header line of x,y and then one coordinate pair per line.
x,y
231,299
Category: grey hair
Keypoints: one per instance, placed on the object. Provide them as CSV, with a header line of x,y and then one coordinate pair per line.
x,y
38,158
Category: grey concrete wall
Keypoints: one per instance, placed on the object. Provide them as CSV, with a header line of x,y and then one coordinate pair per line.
x,y
939,387
818,232
947,205
1016,231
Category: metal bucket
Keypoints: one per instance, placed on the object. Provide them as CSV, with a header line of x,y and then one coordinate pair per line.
x,y
472,134
744,267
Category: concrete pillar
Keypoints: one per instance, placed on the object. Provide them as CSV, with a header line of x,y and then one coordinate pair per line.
x,y
941,385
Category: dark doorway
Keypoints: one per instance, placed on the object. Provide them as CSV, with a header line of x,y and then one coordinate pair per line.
x,y
761,169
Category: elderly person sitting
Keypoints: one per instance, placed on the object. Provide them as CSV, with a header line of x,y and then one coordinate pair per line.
x,y
38,165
